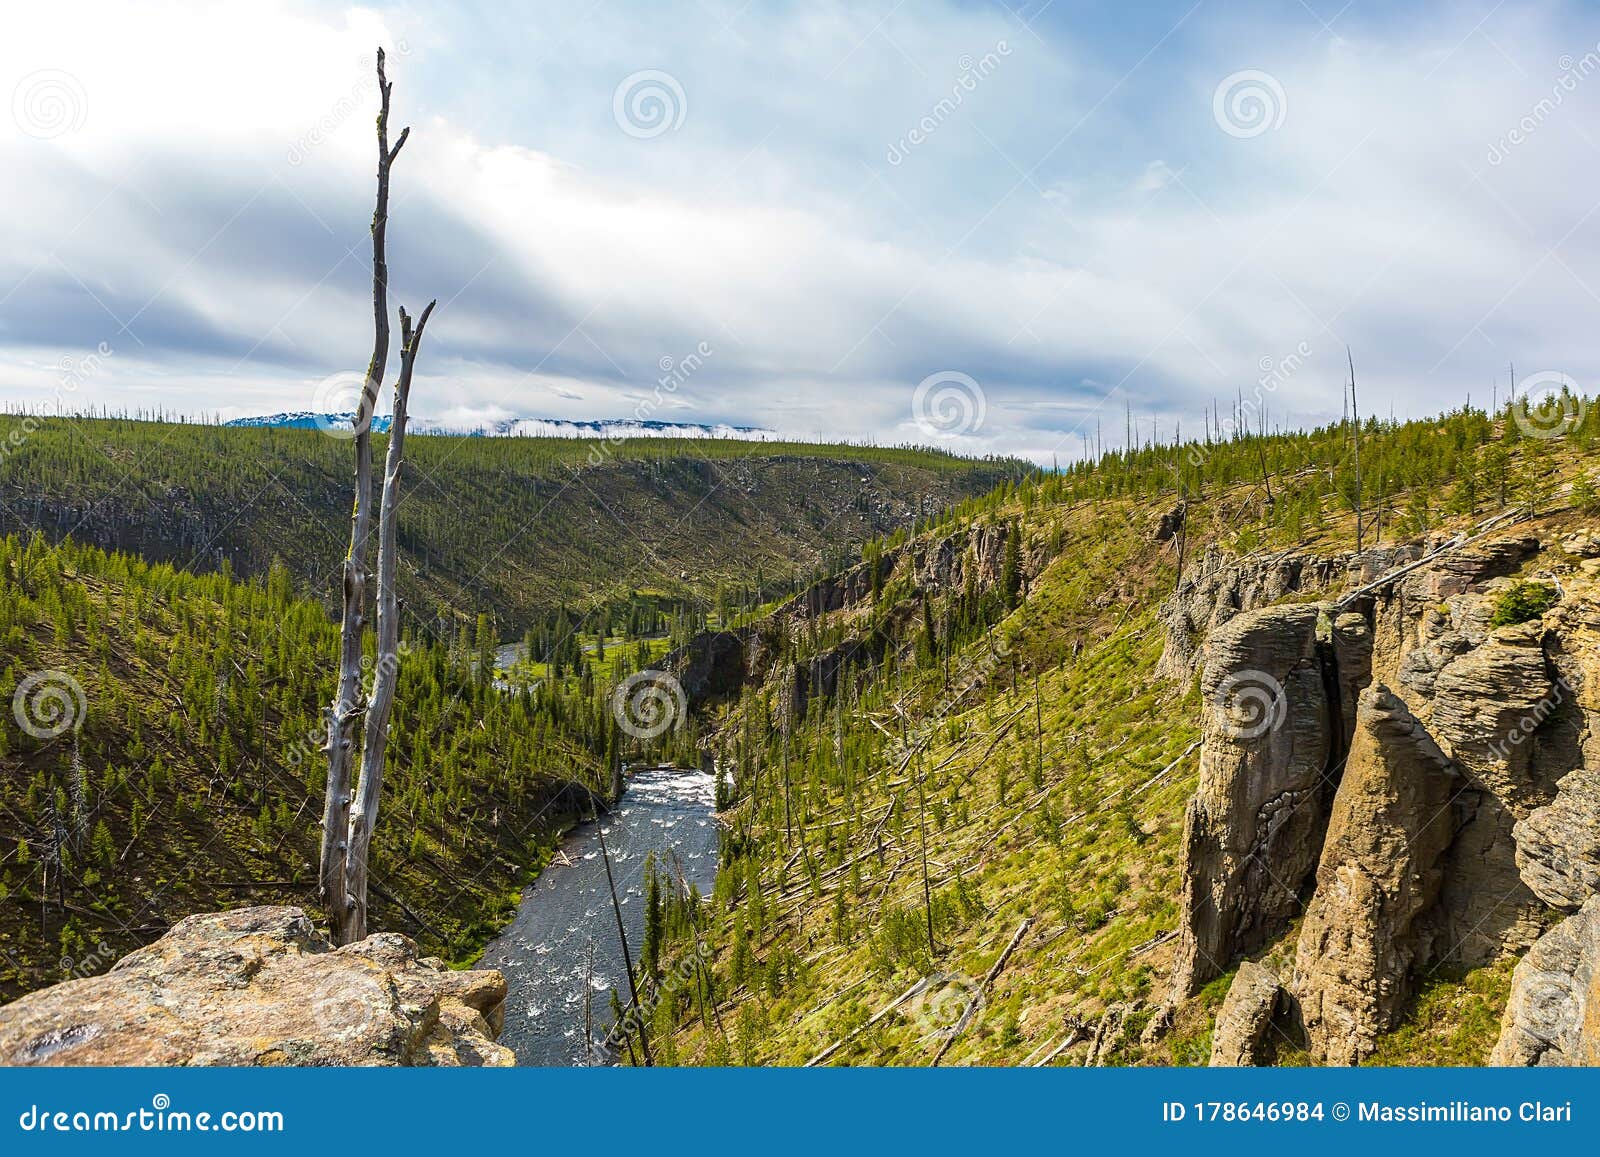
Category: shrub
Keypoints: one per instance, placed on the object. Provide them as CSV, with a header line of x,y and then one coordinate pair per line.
x,y
1523,602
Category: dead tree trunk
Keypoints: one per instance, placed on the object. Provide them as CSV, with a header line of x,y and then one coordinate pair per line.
x,y
348,703
1355,414
375,737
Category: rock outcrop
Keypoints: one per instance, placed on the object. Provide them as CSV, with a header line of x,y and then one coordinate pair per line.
x,y
1246,1017
1464,816
260,986
1558,846
1271,744
1379,876
1553,1015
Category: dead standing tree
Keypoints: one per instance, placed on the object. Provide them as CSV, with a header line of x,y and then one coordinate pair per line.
x,y
347,830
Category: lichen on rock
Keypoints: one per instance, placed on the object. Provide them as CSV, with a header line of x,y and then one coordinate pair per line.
x,y
260,986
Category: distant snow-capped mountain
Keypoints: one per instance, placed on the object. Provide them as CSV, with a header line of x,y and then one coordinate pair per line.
x,y
519,427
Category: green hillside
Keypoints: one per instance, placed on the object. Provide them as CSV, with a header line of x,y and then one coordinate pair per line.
x,y
516,528
171,763
1002,761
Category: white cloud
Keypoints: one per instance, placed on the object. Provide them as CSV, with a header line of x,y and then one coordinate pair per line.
x,y
1068,232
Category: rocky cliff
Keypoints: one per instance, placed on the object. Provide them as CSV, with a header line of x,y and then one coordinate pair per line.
x,y
260,986
1409,771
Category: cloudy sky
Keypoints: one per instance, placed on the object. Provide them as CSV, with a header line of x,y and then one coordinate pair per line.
x,y
1056,211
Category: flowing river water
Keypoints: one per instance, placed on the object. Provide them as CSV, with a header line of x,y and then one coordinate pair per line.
x,y
560,954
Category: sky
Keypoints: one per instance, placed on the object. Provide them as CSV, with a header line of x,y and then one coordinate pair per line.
x,y
995,228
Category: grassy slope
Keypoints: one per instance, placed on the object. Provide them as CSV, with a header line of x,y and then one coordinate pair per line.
x,y
809,946
511,527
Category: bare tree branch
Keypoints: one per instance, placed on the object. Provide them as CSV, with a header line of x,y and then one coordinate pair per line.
x,y
375,740
347,704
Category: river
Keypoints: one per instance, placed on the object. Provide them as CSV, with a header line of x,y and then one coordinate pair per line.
x,y
566,915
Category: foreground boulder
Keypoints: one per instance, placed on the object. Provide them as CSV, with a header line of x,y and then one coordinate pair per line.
x,y
260,986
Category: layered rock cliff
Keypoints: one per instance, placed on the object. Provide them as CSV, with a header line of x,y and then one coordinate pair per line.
x,y
1445,816
260,986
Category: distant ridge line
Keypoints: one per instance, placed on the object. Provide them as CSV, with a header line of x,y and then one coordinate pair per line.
x,y
524,427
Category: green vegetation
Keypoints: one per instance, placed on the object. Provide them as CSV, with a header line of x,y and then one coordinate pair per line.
x,y
1454,1020
977,745
1031,771
1523,602
191,777
520,529
974,739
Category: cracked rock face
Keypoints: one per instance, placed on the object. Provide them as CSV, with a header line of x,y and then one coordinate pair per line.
x,y
1252,830
1379,875
1553,1015
1558,844
1462,814
260,986
1489,705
